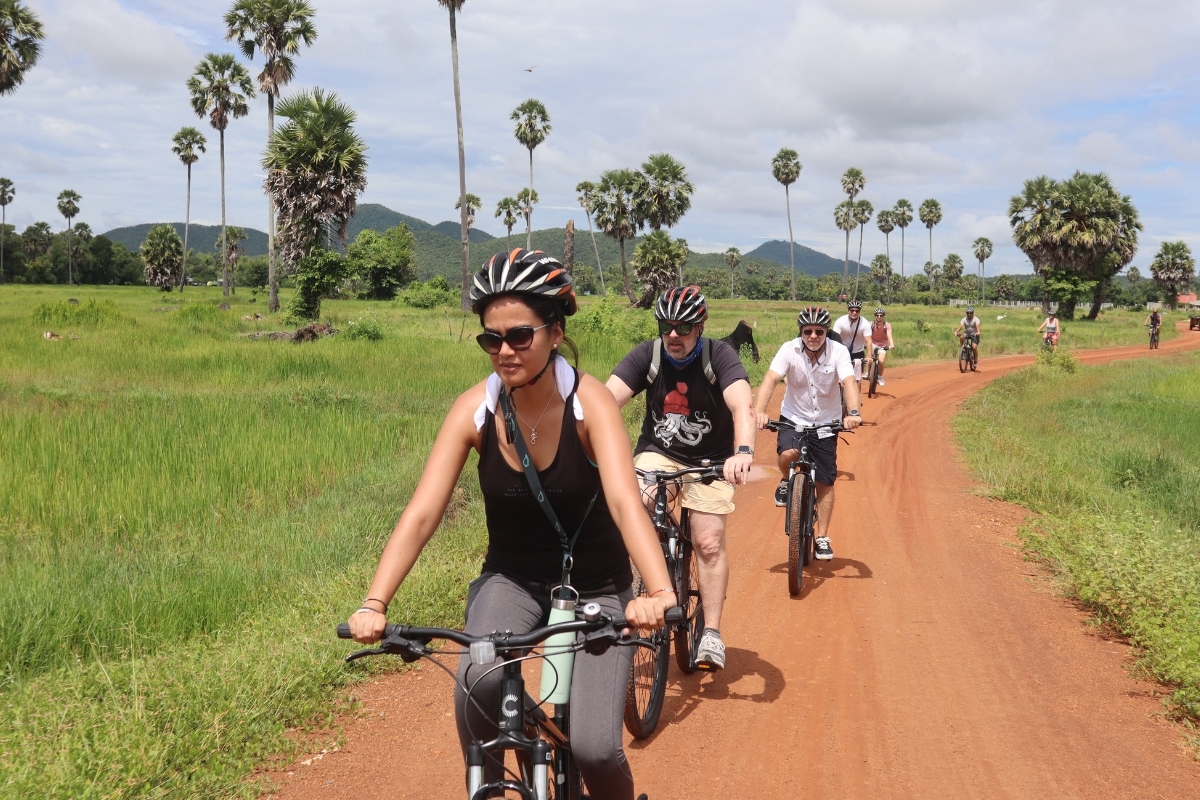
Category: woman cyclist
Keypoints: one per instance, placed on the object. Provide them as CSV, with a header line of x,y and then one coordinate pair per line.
x,y
580,449
1052,329
880,342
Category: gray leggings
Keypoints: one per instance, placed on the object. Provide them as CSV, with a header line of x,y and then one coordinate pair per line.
x,y
598,685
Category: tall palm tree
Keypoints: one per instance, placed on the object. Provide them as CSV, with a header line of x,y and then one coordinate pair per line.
x,y
316,168
68,206
733,257
843,217
219,89
21,37
934,271
930,214
237,235
983,251
6,196
585,189
615,204
786,166
507,210
454,6
881,273
278,28
533,126
668,193
853,182
527,198
188,144
902,217
863,211
886,223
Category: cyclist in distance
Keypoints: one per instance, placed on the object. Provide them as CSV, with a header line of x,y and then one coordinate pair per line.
x,y
812,369
1052,328
968,328
1153,321
853,331
881,341
698,408
580,450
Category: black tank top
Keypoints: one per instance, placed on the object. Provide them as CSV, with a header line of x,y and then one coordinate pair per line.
x,y
521,542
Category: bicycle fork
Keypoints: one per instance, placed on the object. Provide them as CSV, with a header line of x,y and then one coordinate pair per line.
x,y
512,723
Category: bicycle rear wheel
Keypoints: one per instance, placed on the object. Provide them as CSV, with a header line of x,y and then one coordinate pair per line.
x,y
687,589
647,679
974,360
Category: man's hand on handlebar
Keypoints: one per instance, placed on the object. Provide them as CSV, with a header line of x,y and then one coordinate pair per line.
x,y
646,613
850,423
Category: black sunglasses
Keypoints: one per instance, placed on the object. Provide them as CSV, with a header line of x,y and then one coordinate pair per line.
x,y
682,328
519,338
813,332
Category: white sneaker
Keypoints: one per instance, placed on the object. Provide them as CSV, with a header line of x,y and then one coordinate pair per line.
x,y
881,382
711,652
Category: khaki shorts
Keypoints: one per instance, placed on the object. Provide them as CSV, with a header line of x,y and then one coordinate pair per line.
x,y
715,498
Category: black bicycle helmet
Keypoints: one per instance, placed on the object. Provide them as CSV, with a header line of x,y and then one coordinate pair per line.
x,y
880,311
854,305
814,315
970,309
681,304
523,272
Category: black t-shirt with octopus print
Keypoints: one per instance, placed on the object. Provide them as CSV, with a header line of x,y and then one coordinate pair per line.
x,y
686,416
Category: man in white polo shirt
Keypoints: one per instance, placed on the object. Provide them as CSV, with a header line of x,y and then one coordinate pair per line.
x,y
816,371
852,330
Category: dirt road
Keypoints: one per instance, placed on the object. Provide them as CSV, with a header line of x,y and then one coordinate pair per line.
x,y
927,660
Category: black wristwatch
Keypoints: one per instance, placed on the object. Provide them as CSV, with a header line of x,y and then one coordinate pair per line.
x,y
744,449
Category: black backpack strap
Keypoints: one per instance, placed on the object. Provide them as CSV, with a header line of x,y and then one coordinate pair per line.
x,y
655,362
535,483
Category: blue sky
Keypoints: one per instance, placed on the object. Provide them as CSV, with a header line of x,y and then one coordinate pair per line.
x,y
931,98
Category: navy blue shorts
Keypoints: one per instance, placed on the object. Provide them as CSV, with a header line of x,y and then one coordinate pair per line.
x,y
822,452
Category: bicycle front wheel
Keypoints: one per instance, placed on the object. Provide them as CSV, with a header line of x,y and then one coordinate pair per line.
x,y
687,589
874,379
797,534
962,361
647,679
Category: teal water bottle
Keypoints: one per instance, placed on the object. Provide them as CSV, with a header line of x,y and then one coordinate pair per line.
x,y
560,659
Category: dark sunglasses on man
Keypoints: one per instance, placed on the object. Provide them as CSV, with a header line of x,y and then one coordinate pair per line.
x,y
682,328
818,332
519,338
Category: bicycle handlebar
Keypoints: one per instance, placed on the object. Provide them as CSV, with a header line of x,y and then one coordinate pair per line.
x,y
410,642
776,424
715,470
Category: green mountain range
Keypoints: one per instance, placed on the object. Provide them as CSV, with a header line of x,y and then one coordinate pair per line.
x,y
438,251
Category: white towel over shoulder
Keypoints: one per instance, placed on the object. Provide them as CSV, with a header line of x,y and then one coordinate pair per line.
x,y
564,375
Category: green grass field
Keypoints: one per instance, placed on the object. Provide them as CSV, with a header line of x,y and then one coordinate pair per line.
x,y
186,513
1109,458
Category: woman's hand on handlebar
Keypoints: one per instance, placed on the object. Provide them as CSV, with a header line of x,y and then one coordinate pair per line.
x,y
367,626
646,613
761,420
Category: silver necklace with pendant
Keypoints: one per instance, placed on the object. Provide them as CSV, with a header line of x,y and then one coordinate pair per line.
x,y
533,435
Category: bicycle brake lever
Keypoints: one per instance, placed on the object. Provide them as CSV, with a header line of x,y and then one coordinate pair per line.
x,y
357,654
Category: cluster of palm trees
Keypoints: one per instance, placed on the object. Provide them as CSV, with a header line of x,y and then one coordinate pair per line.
x,y
624,202
315,162
854,213
1078,233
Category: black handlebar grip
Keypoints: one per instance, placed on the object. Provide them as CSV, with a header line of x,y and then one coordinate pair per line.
x,y
344,630
675,616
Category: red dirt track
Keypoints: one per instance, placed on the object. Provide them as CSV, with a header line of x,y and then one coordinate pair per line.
x,y
927,660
